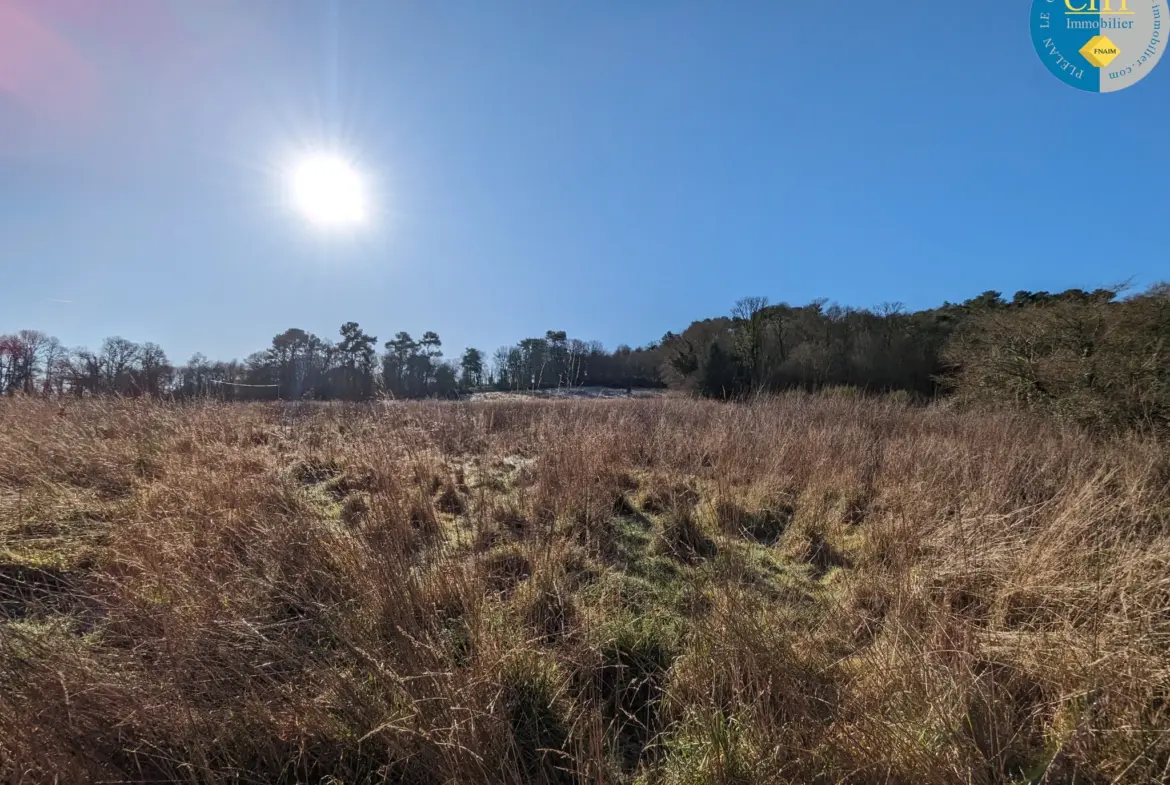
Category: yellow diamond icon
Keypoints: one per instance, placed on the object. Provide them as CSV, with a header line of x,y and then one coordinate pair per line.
x,y
1100,51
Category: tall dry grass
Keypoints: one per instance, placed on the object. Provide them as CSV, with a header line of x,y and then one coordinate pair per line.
x,y
806,589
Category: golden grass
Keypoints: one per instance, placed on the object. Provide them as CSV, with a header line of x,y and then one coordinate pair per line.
x,y
804,589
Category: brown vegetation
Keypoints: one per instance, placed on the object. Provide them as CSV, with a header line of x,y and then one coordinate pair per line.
x,y
806,589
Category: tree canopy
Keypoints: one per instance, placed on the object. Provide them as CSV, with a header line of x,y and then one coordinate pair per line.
x,y
1090,356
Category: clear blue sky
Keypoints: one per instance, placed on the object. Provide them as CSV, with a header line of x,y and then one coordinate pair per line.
x,y
613,169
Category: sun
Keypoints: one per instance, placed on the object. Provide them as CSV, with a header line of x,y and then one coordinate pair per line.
x,y
328,191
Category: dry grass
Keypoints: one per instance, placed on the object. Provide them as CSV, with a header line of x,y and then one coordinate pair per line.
x,y
663,591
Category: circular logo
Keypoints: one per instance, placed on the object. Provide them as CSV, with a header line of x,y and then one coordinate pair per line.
x,y
1100,45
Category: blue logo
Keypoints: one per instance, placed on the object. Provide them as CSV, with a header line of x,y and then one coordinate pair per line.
x,y
1101,46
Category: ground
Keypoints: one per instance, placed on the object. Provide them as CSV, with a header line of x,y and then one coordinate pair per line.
x,y
660,590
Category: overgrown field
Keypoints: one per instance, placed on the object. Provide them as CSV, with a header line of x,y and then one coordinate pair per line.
x,y
800,590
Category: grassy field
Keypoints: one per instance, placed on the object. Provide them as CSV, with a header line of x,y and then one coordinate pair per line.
x,y
800,590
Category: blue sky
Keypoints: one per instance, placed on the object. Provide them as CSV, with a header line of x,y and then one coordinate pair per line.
x,y
612,169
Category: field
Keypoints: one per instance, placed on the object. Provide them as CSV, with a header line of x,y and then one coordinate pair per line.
x,y
806,589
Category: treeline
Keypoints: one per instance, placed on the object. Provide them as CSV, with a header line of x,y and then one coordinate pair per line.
x,y
301,365
1091,357
559,361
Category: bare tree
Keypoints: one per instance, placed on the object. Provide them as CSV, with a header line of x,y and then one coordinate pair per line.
x,y
154,369
577,351
746,308
83,370
118,358
749,312
52,356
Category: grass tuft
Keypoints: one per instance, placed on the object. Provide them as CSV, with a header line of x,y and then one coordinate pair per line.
x,y
807,588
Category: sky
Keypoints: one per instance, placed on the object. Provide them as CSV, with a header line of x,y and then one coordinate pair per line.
x,y
613,169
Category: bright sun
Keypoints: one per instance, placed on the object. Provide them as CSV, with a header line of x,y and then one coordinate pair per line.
x,y
327,191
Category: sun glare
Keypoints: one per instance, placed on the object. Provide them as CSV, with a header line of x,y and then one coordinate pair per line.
x,y
328,192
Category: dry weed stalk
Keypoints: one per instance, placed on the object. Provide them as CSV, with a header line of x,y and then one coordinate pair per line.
x,y
803,589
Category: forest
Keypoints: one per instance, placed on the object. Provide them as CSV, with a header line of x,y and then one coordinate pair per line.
x,y
1094,357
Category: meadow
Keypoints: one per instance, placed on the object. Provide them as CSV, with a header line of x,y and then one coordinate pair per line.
x,y
801,589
